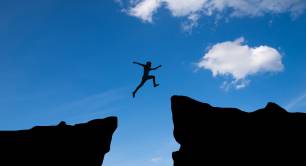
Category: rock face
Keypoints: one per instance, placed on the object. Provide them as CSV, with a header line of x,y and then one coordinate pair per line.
x,y
228,136
61,145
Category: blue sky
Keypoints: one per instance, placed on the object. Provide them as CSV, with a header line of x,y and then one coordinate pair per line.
x,y
73,62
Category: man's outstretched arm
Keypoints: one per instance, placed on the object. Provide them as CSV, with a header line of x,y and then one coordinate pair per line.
x,y
156,67
138,63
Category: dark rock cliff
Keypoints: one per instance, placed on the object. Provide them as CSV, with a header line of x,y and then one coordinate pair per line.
x,y
61,145
228,136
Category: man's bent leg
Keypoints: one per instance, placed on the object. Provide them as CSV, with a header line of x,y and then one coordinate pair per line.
x,y
154,81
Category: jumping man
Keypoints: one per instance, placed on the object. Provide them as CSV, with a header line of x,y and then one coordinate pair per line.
x,y
146,69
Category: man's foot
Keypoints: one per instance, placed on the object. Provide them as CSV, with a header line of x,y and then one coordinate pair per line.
x,y
156,85
133,94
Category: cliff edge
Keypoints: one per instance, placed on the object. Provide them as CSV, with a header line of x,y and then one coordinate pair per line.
x,y
212,136
80,144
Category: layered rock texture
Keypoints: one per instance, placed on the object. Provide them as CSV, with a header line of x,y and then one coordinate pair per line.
x,y
61,145
228,136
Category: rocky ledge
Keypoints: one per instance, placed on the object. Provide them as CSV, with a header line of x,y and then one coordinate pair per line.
x,y
228,136
61,145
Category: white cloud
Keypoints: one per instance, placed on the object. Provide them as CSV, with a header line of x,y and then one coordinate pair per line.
x,y
184,7
235,59
145,9
257,7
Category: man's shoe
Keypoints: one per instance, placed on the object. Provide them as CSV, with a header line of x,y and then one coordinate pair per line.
x,y
133,94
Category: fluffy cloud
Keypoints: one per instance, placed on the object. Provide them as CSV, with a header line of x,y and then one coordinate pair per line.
x,y
145,9
239,61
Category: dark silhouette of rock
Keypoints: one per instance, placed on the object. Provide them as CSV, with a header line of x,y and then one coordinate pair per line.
x,y
61,145
228,136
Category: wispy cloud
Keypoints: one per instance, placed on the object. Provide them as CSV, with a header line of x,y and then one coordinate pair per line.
x,y
120,2
156,159
298,101
87,107
145,10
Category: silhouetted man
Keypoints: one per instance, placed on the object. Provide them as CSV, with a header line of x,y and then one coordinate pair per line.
x,y
146,69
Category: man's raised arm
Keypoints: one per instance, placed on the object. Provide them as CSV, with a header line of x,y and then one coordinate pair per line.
x,y
138,63
156,67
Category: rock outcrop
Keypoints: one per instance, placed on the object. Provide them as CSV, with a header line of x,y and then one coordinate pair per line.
x,y
228,136
61,145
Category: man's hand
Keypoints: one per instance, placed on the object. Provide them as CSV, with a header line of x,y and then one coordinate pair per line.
x,y
158,67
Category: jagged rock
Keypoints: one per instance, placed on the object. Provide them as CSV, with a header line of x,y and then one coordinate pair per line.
x,y
62,145
228,136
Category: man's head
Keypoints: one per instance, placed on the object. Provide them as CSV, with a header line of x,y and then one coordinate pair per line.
x,y
149,63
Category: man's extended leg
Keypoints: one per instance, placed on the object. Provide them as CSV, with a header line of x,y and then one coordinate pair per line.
x,y
154,82
138,87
